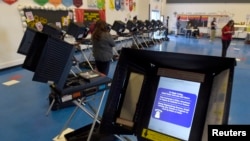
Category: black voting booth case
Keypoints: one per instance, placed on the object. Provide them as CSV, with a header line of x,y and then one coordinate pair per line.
x,y
167,96
51,59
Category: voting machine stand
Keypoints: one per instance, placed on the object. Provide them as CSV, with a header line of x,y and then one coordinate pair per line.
x,y
88,90
78,91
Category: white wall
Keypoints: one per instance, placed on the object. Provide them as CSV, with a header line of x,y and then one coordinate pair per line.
x,y
122,15
143,10
237,12
10,34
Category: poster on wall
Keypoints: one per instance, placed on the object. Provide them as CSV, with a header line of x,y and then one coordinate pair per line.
x,y
87,15
29,16
39,26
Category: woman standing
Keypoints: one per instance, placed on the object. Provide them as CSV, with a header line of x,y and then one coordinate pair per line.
x,y
227,33
213,29
103,44
178,25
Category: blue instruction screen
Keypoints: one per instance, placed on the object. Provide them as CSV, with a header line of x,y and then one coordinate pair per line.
x,y
174,107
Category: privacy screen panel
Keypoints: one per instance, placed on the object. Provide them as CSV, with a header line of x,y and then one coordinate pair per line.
x,y
55,62
32,45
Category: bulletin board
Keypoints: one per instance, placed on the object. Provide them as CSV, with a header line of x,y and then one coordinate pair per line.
x,y
61,18
205,20
202,21
87,15
198,20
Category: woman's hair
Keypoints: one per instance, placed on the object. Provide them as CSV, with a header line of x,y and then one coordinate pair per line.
x,y
135,18
230,22
100,27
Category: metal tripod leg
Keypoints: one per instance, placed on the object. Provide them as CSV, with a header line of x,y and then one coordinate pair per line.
x,y
96,116
68,121
50,106
133,37
87,60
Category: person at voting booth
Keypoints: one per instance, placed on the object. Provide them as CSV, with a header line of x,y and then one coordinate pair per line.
x,y
135,19
103,44
196,32
213,29
189,29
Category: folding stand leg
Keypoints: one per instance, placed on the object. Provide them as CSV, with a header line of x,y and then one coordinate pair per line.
x,y
93,110
122,44
87,60
50,106
139,41
92,115
95,117
135,42
126,42
68,121
115,51
144,39
145,42
150,34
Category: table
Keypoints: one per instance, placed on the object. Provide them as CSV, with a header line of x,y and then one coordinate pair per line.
x,y
189,32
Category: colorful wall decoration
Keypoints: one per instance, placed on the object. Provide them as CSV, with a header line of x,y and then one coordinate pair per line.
x,y
9,1
41,2
67,3
55,2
